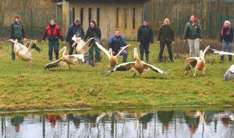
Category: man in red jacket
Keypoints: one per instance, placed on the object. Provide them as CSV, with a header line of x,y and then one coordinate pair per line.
x,y
52,33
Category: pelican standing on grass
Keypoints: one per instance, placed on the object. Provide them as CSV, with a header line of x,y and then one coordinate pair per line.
x,y
113,59
67,59
138,66
198,63
25,52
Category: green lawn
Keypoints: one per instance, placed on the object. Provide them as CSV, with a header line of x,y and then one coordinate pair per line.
x,y
24,87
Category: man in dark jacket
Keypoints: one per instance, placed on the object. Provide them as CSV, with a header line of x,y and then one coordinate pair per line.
x,y
17,32
145,36
74,29
52,33
116,42
166,37
93,31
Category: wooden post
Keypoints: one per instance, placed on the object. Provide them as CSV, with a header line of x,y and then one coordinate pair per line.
x,y
66,15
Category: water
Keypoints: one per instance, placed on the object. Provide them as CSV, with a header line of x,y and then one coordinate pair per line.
x,y
120,124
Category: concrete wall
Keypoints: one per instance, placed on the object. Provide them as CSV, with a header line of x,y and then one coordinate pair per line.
x,y
108,17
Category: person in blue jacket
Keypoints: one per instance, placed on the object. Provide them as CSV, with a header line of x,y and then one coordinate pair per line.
x,y
116,42
74,29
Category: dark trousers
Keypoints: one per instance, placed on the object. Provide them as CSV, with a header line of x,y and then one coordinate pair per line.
x,y
227,47
94,50
169,48
53,46
144,50
71,49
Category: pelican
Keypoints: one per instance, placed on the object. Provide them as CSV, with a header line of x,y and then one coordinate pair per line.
x,y
113,59
221,53
25,52
198,63
67,59
229,74
82,47
138,66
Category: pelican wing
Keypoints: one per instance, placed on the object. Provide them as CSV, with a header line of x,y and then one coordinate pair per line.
x,y
123,48
83,47
192,61
53,64
103,49
222,52
121,67
124,66
206,49
152,67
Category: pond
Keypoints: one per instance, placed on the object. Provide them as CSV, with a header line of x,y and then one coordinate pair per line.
x,y
119,124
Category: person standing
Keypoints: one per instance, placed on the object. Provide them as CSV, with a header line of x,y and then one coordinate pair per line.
x,y
226,38
166,37
17,32
192,34
74,29
116,42
52,33
93,31
145,37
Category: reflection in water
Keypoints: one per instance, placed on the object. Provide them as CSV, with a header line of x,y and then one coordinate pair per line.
x,y
161,124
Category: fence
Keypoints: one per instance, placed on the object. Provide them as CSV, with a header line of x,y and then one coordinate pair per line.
x,y
212,13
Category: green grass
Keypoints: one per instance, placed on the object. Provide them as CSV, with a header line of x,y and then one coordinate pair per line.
x,y
24,87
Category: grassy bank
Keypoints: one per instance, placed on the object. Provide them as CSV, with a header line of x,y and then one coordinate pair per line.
x,y
23,87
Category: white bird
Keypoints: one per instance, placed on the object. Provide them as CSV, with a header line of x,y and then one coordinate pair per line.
x,y
113,59
67,59
221,53
229,74
82,47
25,52
198,63
138,66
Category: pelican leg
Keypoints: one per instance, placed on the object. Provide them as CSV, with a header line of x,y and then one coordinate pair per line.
x,y
195,72
204,71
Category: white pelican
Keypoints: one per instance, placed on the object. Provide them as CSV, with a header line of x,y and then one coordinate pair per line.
x,y
138,66
221,53
25,52
198,63
229,74
82,47
113,59
67,59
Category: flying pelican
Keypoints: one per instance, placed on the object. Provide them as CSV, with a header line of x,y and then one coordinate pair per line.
x,y
67,59
138,66
198,63
221,53
25,52
113,59
82,47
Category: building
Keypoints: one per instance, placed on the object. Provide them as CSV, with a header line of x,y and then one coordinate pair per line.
x,y
124,15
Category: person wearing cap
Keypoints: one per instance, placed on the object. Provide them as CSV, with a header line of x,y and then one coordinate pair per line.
x,y
192,33
74,29
52,33
17,32
145,37
226,38
95,32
